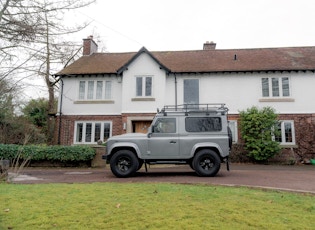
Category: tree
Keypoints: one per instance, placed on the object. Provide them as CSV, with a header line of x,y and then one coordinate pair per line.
x,y
15,129
258,130
33,40
36,112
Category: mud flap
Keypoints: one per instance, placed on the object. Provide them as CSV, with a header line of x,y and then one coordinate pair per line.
x,y
145,166
227,164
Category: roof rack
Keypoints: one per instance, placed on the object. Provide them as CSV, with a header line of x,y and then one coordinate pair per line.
x,y
195,108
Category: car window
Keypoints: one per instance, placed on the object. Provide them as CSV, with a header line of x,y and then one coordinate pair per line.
x,y
165,125
203,124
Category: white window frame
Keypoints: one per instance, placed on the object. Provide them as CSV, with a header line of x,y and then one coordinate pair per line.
x,y
280,90
83,141
234,129
88,92
282,129
143,89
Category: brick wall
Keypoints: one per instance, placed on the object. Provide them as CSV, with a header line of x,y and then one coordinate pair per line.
x,y
302,151
304,125
67,126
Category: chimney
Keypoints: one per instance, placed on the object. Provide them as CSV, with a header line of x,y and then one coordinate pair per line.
x,y
209,45
89,46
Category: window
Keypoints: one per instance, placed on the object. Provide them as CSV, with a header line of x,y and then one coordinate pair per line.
x,y
89,132
96,90
286,134
99,89
203,124
108,89
276,87
143,86
165,125
233,127
82,90
191,91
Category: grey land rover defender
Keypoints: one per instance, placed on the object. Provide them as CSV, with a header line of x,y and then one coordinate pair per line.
x,y
194,134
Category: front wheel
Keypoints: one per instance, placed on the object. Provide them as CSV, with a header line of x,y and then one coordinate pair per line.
x,y
124,163
206,162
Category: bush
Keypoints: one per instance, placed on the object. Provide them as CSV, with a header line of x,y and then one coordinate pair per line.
x,y
47,153
258,128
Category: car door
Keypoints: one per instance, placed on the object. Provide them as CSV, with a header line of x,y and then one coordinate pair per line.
x,y
164,142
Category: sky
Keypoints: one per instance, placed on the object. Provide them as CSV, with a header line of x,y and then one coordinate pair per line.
x,y
161,25
164,25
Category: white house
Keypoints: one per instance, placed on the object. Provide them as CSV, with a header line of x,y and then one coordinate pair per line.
x,y
106,94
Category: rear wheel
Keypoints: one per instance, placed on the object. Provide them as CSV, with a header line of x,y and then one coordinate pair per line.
x,y
124,163
206,163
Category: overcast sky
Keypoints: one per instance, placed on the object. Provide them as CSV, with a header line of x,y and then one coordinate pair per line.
x,y
162,25
127,25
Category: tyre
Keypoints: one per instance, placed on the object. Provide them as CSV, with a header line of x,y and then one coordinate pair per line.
x,y
124,163
206,163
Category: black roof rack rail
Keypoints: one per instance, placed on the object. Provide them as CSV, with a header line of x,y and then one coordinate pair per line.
x,y
195,108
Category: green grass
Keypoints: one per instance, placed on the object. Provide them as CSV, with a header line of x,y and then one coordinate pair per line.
x,y
151,206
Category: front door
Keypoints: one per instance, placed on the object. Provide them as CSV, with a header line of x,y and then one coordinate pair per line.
x,y
140,126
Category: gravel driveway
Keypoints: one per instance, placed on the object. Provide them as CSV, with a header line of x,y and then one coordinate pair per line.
x,y
300,178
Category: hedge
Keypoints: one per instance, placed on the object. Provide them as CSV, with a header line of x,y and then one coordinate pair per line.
x,y
47,153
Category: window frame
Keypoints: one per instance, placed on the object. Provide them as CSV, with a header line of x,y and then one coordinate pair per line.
x,y
91,92
184,91
189,128
234,129
269,89
282,133
144,86
104,125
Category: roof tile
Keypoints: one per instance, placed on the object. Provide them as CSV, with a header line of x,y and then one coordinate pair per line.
x,y
231,60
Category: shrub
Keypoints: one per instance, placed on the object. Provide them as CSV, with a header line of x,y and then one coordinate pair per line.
x,y
49,153
257,128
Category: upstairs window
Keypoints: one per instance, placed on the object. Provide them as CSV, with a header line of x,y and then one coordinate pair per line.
x,y
144,86
95,90
275,87
191,91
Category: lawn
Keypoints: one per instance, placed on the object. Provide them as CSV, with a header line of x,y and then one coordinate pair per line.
x,y
151,206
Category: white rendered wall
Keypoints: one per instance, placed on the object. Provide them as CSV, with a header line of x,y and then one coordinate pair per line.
x,y
238,91
71,104
144,65
241,91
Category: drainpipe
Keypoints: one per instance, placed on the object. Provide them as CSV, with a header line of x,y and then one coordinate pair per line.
x,y
175,92
60,109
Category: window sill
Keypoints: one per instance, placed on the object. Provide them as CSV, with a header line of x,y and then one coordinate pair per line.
x,y
288,146
143,99
276,100
95,102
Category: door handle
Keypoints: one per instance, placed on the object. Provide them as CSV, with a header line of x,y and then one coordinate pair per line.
x,y
173,142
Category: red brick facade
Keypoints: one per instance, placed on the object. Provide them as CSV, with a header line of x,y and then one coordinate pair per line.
x,y
304,126
66,130
304,148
